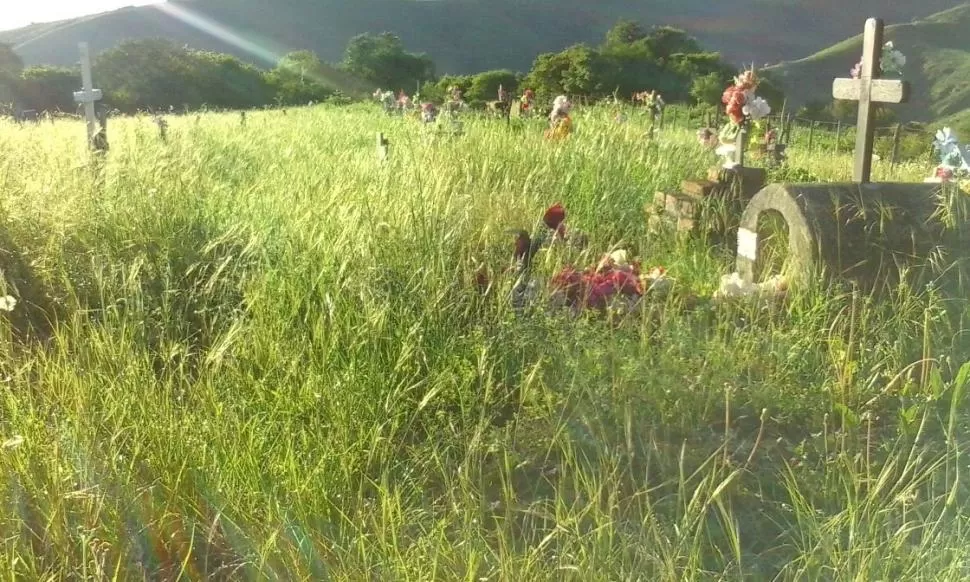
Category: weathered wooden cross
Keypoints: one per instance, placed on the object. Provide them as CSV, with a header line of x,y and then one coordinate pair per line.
x,y
88,94
869,89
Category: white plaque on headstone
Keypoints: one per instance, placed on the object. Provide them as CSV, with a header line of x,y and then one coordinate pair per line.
x,y
747,244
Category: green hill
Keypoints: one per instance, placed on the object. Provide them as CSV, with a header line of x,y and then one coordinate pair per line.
x,y
465,36
937,49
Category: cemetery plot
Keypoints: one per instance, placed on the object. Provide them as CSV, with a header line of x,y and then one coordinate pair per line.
x,y
860,231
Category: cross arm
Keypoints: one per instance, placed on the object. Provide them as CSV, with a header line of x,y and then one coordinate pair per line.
x,y
88,96
883,90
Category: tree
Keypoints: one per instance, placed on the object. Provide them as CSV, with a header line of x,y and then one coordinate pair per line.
x,y
439,91
382,60
578,70
224,81
49,88
158,74
298,79
625,32
150,73
10,67
707,90
484,86
665,41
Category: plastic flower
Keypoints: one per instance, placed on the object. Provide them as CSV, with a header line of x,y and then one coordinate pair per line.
x,y
952,156
619,257
747,81
727,151
756,108
856,71
945,141
8,303
554,218
734,98
893,61
705,136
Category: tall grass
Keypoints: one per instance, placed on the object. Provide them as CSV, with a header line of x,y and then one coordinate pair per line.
x,y
255,352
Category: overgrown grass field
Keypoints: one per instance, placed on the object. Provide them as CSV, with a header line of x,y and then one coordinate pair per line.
x,y
254,352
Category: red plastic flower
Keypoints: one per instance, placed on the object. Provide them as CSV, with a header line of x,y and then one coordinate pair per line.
x,y
734,98
570,282
945,174
554,217
596,287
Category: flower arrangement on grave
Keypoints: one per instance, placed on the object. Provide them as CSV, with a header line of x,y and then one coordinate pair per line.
x,y
954,159
527,102
891,62
403,101
744,110
429,112
386,99
652,100
452,107
560,123
707,138
613,283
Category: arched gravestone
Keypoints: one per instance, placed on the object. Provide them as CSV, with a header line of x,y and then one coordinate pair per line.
x,y
861,232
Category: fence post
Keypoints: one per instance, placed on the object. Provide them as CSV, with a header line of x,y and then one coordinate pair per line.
x,y
811,135
838,138
896,136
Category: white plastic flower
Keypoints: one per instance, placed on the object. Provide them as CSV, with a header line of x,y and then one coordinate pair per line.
x,y
756,109
619,257
8,303
952,155
945,139
892,61
727,151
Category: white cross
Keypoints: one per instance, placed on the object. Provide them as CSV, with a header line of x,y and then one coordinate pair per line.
x,y
88,95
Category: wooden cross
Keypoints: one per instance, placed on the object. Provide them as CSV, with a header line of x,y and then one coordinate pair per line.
x,y
88,95
869,89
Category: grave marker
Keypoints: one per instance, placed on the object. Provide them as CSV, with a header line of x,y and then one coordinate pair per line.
x,y
382,147
869,89
840,229
88,95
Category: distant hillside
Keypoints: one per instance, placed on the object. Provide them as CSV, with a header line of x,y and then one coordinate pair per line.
x,y
938,67
465,36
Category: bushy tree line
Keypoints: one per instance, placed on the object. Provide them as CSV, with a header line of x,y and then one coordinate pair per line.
x,y
158,74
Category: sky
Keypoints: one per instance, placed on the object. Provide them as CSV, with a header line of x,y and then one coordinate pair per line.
x,y
17,13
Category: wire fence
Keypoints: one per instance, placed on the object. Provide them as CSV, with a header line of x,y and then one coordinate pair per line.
x,y
896,143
